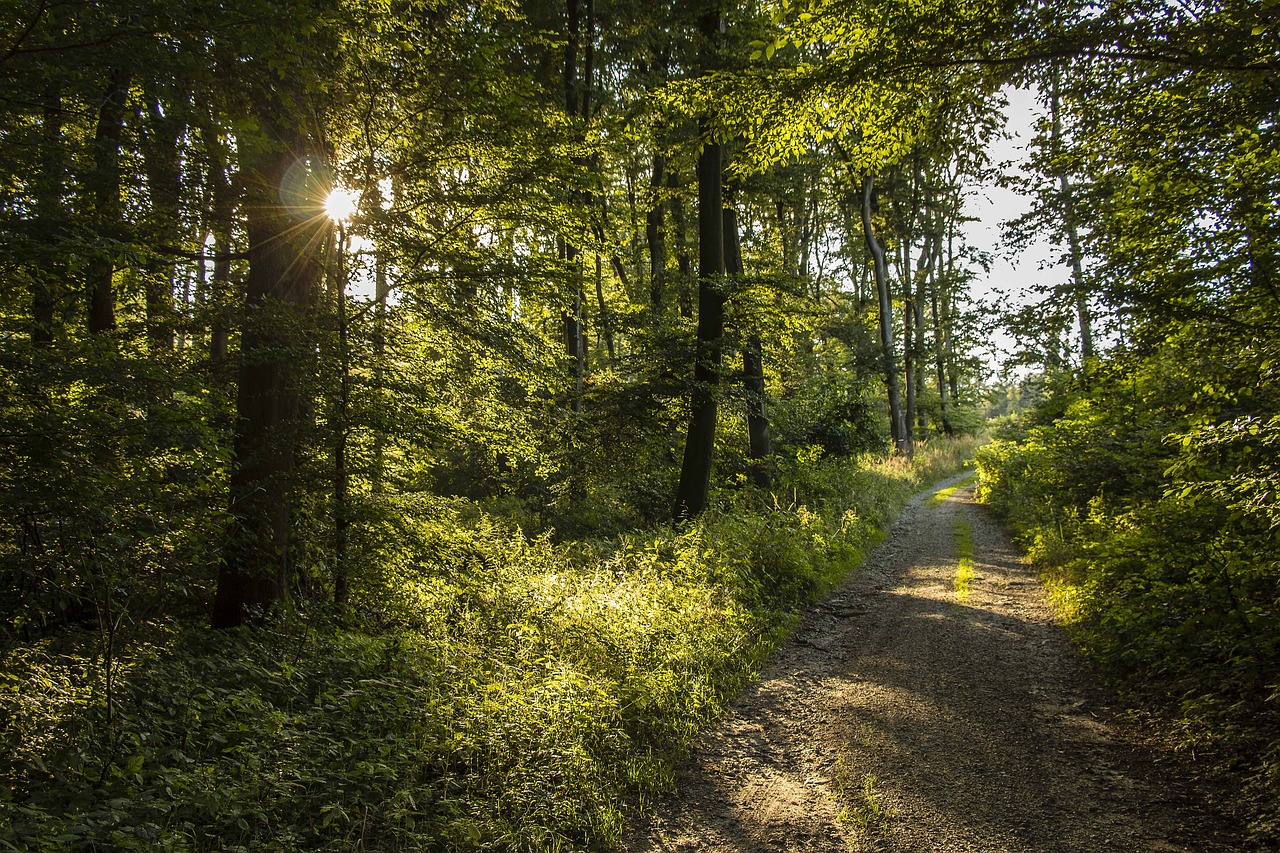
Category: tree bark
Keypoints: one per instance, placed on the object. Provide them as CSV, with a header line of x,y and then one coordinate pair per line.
x,y
654,225
939,344
106,198
695,471
284,281
221,221
683,262
341,479
924,267
758,444
572,317
897,428
1080,295
161,156
49,205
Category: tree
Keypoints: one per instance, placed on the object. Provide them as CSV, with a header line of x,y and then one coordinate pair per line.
x,y
286,178
897,419
695,472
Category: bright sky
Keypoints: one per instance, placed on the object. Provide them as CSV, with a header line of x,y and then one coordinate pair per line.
x,y
992,205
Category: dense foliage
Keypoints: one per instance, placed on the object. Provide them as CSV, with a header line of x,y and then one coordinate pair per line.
x,y
528,456
1144,479
504,692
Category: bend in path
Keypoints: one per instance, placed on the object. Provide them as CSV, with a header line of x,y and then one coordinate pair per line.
x,y
912,714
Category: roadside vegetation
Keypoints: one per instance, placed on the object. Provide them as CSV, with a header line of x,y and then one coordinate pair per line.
x,y
417,418
495,690
1142,472
1156,532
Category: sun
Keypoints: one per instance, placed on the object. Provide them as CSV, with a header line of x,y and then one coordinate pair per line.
x,y
340,204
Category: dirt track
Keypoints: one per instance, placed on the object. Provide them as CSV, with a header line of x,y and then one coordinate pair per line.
x,y
907,716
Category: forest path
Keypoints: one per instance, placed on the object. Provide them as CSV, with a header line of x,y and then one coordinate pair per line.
x,y
909,714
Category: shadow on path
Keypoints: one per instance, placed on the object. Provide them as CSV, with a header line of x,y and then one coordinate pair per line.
x,y
899,719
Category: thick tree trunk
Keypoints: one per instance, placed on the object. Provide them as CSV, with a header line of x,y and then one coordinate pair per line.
x,y
695,472
284,280
106,200
897,427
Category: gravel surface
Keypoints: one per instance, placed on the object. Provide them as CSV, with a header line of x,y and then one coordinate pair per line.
x,y
908,714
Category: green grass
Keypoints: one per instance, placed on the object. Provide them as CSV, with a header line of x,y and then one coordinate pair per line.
x,y
940,496
964,552
490,691
862,812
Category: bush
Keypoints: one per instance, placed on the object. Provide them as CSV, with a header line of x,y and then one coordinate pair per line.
x,y
1157,537
491,691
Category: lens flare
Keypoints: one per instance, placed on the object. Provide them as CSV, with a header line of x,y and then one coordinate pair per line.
x,y
340,204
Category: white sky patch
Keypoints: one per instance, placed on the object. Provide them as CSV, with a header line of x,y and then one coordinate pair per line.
x,y
992,206
361,277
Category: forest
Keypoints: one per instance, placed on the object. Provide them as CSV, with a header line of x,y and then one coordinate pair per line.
x,y
419,418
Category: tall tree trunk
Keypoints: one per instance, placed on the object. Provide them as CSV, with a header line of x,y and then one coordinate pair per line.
x,y
654,226
1080,295
221,222
284,281
161,155
939,343
695,472
804,230
948,323
897,427
908,360
380,293
758,444
615,263
106,200
572,317
924,267
683,263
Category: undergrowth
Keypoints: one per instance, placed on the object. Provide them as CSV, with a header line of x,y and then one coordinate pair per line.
x,y
1156,535
490,692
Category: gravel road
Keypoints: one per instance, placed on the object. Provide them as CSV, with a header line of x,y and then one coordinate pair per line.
x,y
914,713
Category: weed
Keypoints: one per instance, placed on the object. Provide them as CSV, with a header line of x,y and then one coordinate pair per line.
x,y
862,812
940,497
964,551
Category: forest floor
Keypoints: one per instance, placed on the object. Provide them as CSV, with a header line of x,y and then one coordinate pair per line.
x,y
932,704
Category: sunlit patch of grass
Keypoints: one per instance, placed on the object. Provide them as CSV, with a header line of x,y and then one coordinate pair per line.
x,y
940,496
862,811
495,692
964,550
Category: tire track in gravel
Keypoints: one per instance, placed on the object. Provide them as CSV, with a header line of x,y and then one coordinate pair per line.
x,y
900,719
